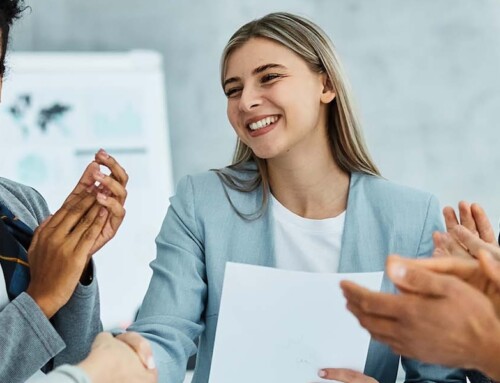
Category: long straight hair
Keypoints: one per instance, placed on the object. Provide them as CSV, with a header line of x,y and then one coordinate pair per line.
x,y
311,43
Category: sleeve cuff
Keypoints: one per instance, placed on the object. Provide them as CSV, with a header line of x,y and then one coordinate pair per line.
x,y
67,374
38,322
90,289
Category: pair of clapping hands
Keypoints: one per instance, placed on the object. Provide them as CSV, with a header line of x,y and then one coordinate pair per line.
x,y
63,245
448,309
59,258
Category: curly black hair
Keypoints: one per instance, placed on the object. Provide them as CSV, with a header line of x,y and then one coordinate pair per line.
x,y
9,11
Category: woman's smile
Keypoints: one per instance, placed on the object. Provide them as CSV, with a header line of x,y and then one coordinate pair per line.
x,y
262,125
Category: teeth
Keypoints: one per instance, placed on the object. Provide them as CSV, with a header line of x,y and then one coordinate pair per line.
x,y
263,123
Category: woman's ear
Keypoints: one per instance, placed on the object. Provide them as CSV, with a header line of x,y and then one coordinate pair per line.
x,y
328,93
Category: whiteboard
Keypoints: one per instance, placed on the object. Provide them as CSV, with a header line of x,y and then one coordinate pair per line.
x,y
57,110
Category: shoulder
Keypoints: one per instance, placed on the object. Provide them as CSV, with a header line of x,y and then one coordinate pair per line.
x,y
23,201
208,181
388,193
394,204
219,193
405,217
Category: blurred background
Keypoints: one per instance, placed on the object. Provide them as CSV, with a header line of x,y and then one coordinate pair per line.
x,y
425,75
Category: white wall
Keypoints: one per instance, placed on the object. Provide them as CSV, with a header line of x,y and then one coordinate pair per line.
x,y
424,72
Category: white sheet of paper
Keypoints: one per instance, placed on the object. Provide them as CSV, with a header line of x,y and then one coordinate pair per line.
x,y
4,297
283,326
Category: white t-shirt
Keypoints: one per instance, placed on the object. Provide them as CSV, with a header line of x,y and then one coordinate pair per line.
x,y
4,298
306,244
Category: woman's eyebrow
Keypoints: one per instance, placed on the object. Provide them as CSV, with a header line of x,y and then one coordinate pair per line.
x,y
257,70
265,67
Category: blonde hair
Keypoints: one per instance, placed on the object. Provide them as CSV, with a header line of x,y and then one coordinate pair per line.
x,y
308,41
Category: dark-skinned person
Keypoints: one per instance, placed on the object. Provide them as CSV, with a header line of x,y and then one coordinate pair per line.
x,y
49,302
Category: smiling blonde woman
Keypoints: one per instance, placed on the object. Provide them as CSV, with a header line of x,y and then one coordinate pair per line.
x,y
302,194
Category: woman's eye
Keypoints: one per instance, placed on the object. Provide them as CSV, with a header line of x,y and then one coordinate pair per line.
x,y
232,92
270,76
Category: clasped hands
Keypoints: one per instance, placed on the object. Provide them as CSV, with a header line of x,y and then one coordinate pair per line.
x,y
64,243
125,358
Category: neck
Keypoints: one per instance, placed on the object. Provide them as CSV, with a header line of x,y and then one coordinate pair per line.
x,y
311,184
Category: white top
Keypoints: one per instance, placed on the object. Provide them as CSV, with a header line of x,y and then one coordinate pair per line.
x,y
4,297
305,244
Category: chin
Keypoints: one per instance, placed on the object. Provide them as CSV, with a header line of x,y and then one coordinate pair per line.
x,y
265,153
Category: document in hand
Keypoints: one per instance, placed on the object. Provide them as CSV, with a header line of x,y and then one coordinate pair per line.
x,y
283,326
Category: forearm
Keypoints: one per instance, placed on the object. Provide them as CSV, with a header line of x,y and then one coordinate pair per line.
x,y
27,339
78,323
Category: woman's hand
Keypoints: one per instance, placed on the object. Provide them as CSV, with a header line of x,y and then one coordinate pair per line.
x,y
345,375
116,360
141,347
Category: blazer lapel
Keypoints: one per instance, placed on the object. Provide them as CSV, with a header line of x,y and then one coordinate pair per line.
x,y
363,240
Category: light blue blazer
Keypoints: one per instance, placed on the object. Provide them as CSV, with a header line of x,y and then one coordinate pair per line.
x,y
201,232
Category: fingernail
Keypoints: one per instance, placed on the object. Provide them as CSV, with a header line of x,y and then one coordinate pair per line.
x,y
321,373
102,211
151,363
398,271
102,196
103,152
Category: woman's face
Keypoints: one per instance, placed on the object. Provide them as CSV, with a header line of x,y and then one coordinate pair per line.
x,y
276,104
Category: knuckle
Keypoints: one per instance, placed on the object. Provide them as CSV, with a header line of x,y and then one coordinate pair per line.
x,y
85,221
53,241
365,305
77,208
89,235
65,248
411,276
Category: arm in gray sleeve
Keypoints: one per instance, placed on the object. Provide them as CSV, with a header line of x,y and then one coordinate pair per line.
x,y
78,323
27,340
65,374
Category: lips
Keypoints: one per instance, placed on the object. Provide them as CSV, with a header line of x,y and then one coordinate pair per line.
x,y
266,124
262,122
